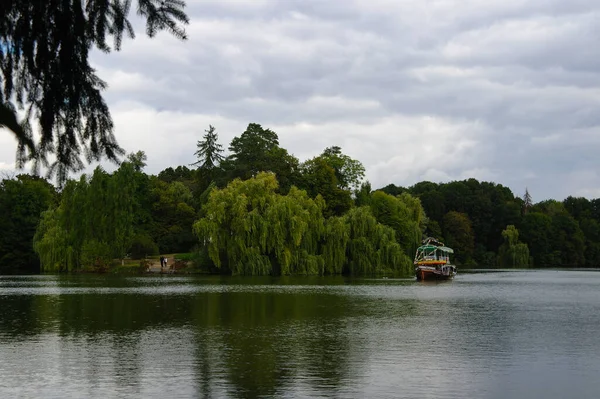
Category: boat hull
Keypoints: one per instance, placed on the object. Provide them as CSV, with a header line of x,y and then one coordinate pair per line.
x,y
446,272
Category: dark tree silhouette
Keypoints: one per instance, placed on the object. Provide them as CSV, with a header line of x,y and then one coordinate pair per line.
x,y
44,49
209,152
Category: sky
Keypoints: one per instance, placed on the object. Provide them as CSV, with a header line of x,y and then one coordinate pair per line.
x,y
506,91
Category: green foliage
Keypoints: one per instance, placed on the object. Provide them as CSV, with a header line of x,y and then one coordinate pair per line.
x,y
250,229
173,215
53,244
513,254
458,235
95,255
372,248
363,194
318,178
22,199
142,245
92,224
257,150
349,172
137,160
536,231
403,214
490,208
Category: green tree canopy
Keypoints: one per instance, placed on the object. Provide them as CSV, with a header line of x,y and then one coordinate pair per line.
x,y
44,53
93,223
257,150
512,252
458,235
404,214
250,229
22,199
349,172
318,178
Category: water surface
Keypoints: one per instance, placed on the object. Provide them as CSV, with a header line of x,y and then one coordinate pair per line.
x,y
532,334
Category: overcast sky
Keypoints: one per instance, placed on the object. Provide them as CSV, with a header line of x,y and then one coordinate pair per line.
x,y
500,90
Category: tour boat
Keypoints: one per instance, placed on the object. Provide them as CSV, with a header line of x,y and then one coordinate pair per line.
x,y
432,261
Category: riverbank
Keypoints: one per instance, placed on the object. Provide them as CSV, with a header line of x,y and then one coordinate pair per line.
x,y
176,264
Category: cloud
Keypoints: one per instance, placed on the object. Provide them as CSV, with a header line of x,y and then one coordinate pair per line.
x,y
507,91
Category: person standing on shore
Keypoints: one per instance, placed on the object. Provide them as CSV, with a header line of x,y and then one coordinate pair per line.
x,y
162,262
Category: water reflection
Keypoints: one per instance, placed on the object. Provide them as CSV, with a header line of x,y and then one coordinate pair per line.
x,y
482,335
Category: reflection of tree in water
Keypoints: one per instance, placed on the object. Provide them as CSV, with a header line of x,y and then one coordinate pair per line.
x,y
18,317
266,340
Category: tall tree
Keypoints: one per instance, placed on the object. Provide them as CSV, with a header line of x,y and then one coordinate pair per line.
x,y
459,235
527,201
404,214
318,178
257,150
22,199
93,223
349,172
209,151
44,53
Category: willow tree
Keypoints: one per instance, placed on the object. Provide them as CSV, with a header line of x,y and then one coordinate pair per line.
x,y
92,224
372,247
53,245
251,229
45,69
513,253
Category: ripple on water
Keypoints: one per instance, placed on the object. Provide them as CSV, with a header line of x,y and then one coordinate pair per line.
x,y
486,335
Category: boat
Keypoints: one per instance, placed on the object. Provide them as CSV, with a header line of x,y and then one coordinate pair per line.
x,y
432,261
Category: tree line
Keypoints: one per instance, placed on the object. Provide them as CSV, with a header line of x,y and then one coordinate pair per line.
x,y
258,210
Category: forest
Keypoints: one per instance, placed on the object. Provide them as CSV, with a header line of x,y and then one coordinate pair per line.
x,y
258,210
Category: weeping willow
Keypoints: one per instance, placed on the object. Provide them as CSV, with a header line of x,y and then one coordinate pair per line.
x,y
513,253
250,229
372,247
92,224
337,233
51,243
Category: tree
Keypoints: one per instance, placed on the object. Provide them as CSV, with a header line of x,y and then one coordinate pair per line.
x,y
318,178
250,229
22,200
93,223
527,202
172,215
536,231
348,171
257,150
137,160
403,214
44,53
513,253
209,151
458,234
372,248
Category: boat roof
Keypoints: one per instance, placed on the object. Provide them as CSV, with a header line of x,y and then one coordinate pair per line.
x,y
435,247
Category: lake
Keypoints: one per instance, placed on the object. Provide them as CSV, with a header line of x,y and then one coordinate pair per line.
x,y
526,334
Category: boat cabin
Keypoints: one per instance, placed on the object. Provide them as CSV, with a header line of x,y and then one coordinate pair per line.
x,y
433,252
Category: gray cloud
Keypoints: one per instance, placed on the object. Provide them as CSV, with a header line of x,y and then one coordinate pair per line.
x,y
507,91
